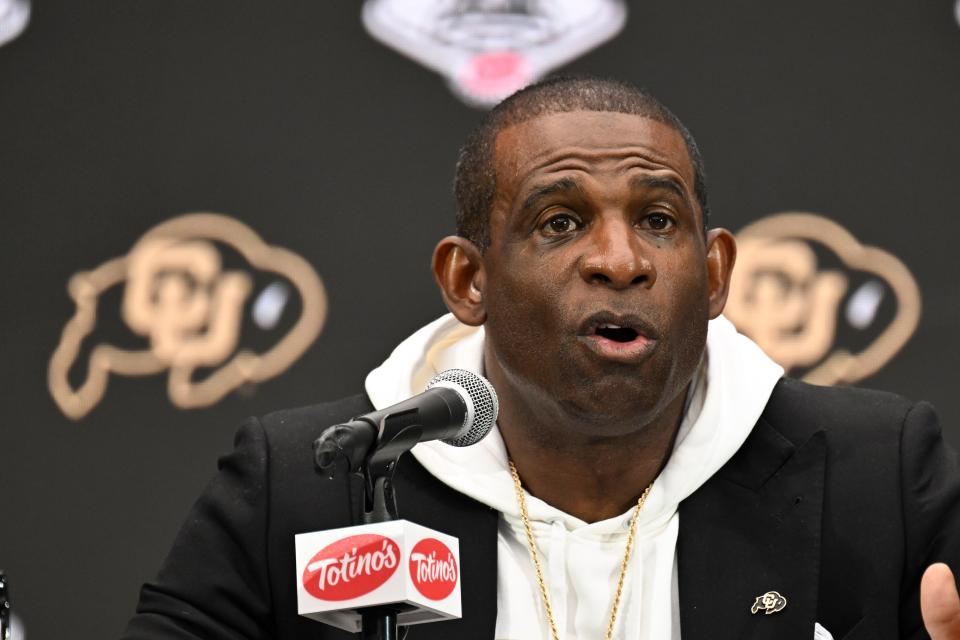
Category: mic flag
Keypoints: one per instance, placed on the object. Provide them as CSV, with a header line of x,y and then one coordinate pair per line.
x,y
399,564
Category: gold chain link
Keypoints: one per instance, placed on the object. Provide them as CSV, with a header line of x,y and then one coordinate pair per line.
x,y
536,557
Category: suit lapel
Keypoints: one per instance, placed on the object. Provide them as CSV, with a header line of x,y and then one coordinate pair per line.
x,y
753,528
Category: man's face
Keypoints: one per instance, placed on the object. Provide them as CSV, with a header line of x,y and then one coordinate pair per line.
x,y
596,286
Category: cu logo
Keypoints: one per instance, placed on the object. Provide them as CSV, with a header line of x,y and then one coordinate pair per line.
x,y
824,306
183,292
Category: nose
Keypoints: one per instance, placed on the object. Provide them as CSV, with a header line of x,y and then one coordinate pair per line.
x,y
615,256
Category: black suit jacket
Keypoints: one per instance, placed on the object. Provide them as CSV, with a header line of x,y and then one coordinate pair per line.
x,y
838,500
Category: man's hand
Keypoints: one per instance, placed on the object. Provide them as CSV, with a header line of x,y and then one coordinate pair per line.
x,y
939,603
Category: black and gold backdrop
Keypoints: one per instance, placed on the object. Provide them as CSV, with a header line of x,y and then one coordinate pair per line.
x,y
331,157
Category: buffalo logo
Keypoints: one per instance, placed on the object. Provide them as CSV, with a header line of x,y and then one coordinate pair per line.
x,y
351,567
487,49
433,569
180,300
821,304
770,602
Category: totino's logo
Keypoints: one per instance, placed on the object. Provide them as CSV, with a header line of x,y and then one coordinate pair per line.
x,y
433,568
824,306
351,567
183,293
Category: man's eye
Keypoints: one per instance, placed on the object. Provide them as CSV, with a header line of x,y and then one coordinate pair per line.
x,y
659,221
560,224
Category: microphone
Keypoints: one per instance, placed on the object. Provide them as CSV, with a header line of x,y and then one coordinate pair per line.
x,y
458,407
370,578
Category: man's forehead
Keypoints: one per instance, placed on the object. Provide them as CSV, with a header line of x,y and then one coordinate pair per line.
x,y
525,146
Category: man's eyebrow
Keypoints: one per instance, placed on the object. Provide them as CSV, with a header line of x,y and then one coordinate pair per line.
x,y
558,186
653,182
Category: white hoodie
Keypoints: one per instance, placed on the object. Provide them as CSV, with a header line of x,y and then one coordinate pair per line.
x,y
581,561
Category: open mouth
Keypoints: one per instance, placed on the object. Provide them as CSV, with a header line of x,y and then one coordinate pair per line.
x,y
625,338
616,333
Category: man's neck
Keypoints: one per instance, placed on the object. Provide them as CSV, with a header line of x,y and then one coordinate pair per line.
x,y
590,478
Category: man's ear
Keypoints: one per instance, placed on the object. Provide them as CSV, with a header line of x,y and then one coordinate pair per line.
x,y
721,254
458,269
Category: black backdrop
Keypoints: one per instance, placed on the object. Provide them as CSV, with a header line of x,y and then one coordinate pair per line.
x,y
116,115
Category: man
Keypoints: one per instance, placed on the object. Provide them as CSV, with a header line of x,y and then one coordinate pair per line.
x,y
652,460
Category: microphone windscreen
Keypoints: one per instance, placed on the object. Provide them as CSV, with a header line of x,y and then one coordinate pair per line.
x,y
481,401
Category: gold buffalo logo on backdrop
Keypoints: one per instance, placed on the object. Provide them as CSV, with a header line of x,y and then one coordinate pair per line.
x,y
178,296
819,302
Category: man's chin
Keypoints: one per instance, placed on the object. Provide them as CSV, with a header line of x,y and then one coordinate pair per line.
x,y
610,416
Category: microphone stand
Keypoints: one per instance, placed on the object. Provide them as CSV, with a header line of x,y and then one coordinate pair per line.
x,y
399,432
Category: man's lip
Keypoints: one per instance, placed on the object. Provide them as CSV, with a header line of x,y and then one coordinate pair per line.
x,y
590,324
626,352
629,352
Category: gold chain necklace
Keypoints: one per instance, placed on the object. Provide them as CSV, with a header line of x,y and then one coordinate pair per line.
x,y
536,557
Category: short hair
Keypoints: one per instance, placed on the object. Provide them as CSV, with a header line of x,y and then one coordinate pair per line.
x,y
475,182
